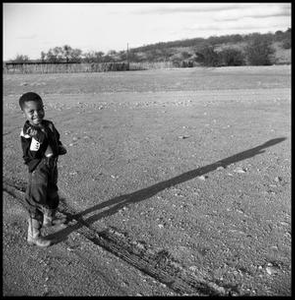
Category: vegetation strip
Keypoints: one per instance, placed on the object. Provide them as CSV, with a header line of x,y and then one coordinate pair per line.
x,y
159,265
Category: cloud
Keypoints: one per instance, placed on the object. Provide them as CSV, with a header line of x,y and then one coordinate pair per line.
x,y
242,25
224,9
253,17
27,37
253,11
172,8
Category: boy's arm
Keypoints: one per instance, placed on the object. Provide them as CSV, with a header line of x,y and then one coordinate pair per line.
x,y
62,150
30,147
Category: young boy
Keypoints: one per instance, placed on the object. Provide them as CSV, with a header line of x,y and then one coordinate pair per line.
x,y
41,147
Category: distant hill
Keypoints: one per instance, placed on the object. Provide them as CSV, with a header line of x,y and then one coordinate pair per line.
x,y
185,50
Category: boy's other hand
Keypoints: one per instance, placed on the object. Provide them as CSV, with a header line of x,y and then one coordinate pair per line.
x,y
61,150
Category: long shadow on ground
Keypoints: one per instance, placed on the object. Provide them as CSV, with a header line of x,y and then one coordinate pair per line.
x,y
121,201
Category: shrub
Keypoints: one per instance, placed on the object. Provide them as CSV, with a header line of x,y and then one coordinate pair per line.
x,y
259,51
286,44
232,57
208,57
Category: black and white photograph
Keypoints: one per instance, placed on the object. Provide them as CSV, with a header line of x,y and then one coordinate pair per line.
x,y
146,149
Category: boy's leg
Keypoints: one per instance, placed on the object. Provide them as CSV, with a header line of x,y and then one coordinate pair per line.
x,y
34,233
36,197
36,193
49,217
49,212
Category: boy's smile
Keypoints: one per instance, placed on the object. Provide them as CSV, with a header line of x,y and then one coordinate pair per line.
x,y
34,112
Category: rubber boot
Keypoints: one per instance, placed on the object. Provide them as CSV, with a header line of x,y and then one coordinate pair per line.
x,y
49,219
34,234
48,215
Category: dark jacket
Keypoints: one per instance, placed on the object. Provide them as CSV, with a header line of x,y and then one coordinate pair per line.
x,y
34,147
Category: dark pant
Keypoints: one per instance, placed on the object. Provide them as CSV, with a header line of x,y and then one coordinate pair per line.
x,y
42,188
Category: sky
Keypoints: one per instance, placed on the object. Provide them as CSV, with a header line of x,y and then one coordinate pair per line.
x,y
30,28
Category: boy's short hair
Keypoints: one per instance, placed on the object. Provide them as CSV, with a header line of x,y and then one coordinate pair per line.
x,y
30,96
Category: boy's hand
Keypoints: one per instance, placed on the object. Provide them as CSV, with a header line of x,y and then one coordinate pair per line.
x,y
37,134
61,150
31,132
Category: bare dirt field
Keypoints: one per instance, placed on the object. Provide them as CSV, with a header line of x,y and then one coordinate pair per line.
x,y
176,182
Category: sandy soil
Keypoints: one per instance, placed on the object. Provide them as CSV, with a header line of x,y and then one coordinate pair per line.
x,y
194,162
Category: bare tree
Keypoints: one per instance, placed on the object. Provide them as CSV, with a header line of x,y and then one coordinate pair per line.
x,y
20,58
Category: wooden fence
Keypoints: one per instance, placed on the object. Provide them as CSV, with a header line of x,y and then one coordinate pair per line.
x,y
44,68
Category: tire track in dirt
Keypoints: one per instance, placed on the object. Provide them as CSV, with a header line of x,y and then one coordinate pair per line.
x,y
159,265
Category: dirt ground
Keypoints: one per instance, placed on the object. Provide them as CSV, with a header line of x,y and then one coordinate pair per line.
x,y
194,163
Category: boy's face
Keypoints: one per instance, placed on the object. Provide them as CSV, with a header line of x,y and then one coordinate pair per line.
x,y
34,112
